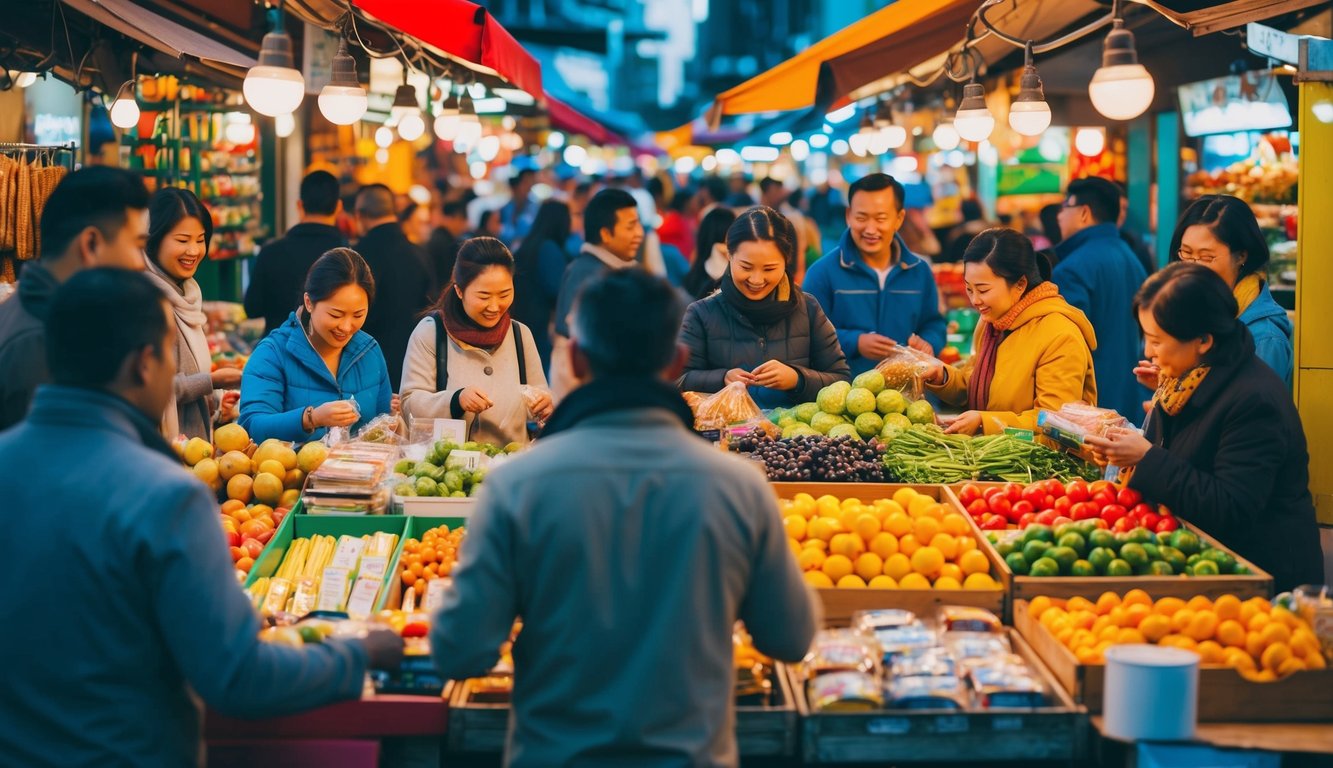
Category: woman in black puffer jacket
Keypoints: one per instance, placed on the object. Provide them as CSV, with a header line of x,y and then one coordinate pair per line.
x,y
760,329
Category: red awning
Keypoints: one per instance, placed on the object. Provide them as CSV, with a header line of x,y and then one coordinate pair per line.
x,y
464,30
570,120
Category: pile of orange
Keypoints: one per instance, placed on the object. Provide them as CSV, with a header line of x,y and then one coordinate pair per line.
x,y
911,541
1253,636
431,557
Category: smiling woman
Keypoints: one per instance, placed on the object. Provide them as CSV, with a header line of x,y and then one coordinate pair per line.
x,y
179,231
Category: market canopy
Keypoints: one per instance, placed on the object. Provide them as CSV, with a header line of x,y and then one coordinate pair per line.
x,y
464,30
570,120
151,29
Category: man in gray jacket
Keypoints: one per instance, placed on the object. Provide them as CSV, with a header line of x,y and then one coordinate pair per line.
x,y
629,546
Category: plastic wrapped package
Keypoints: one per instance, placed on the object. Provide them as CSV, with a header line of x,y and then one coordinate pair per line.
x,y
845,692
381,429
1069,426
730,406
1005,681
927,692
903,369
963,618
874,621
930,662
977,645
842,650
905,639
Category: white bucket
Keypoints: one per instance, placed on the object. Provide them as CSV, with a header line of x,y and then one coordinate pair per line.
x,y
1152,693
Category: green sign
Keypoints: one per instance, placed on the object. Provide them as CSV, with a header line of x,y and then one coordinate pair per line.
x,y
1031,179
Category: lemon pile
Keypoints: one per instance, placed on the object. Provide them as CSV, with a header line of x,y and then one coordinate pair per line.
x,y
908,542
1261,641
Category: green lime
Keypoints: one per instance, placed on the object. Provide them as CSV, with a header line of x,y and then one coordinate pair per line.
x,y
1225,562
1175,558
1082,568
1143,570
1075,541
1039,533
1017,563
1004,548
1065,556
1186,542
1206,568
1086,527
1034,550
992,538
1100,558
1134,554
1119,567
1140,536
1192,559
1242,570
1064,530
310,634
1161,568
1154,552
1045,567
1104,539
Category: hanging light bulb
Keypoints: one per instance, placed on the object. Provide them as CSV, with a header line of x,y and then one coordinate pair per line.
x,y
1090,141
125,110
383,137
284,125
469,126
946,136
22,79
1029,115
1122,89
447,121
407,112
343,101
973,121
274,86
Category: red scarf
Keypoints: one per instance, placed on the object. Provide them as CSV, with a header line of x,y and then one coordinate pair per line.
x,y
992,334
469,331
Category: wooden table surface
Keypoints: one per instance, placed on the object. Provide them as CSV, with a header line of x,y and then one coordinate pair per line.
x,y
1314,738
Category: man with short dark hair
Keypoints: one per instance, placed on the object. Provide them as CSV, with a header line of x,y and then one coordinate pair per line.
x,y
630,547
146,612
774,195
403,286
1099,274
442,248
517,215
96,217
876,292
613,233
278,275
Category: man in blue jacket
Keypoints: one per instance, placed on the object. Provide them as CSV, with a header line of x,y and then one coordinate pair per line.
x,y
1099,274
877,293
105,658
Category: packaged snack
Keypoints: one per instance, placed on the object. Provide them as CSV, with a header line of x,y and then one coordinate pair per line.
x,y
1005,681
904,639
872,622
933,662
962,618
842,650
845,692
730,405
903,368
925,692
977,645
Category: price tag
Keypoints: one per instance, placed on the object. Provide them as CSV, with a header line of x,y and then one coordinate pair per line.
x,y
468,460
332,589
348,553
435,594
449,429
373,566
889,726
362,602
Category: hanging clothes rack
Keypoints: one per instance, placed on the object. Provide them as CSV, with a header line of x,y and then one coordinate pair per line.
x,y
29,174
66,154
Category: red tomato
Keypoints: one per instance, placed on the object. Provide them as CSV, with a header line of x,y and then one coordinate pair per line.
x,y
968,494
1027,520
1123,525
1036,494
1047,517
1166,525
1014,491
1061,520
1001,505
1102,498
1138,511
978,508
1055,488
1064,506
1048,501
1078,491
1150,520
1100,485
1097,522
994,523
1113,513
1021,508
994,493
1084,510
1128,497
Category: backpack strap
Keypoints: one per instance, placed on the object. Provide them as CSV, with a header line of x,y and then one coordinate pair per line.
x,y
522,355
441,354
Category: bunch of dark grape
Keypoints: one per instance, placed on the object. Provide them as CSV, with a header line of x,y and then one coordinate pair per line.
x,y
748,442
817,459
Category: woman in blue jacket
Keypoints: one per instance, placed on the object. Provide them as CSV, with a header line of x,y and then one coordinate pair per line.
x,y
1221,233
319,369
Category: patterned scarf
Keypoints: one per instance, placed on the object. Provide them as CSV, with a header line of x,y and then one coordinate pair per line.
x,y
779,304
1173,394
1247,290
983,371
469,331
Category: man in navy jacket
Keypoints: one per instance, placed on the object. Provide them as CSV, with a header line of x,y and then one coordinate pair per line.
x,y
1099,274
877,293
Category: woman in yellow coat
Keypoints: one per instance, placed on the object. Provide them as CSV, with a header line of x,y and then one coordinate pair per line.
x,y
1033,350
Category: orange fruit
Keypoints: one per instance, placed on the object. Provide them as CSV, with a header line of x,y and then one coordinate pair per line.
x,y
1083,619
1275,656
1261,604
1237,658
847,544
1168,606
822,528
980,581
974,561
1316,661
914,581
1257,622
953,571
1038,606
866,526
1211,652
1292,664
909,544
811,559
1102,622
1136,613
1136,596
851,581
1118,616
884,544
947,582
927,561
1080,604
1155,627
1304,643
1129,635
1199,603
1108,633
869,565
956,525
1227,607
1179,641
883,582
1087,655
1275,632
897,566
1230,633
1259,676
795,526
1285,616
966,544
818,579
1254,644
898,523
925,528
1202,626
1106,602
1181,619
946,544
231,505
837,566
1248,611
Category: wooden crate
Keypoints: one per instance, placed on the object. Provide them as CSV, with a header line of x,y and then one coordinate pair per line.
x,y
1224,695
1055,732
1257,584
840,604
761,731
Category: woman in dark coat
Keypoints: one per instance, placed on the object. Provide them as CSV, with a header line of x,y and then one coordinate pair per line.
x,y
1223,446
759,329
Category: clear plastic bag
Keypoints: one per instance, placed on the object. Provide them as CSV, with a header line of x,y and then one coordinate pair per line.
x,y
381,429
729,406
904,368
532,398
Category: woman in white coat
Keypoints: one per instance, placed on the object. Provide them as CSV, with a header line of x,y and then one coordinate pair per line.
x,y
467,359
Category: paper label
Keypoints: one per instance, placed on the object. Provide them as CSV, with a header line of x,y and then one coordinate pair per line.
x,y
332,589
435,594
349,552
449,429
276,600
306,595
468,460
373,566
362,602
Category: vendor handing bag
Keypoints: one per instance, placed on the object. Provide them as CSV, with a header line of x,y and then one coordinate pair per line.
x,y
904,368
730,408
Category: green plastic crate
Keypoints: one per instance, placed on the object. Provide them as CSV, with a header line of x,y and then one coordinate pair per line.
x,y
416,526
